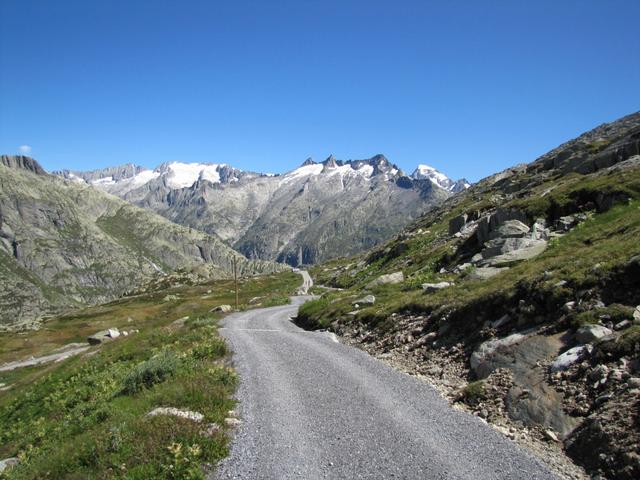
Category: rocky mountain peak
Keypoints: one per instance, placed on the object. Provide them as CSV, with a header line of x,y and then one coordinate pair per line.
x,y
330,162
307,162
23,162
427,172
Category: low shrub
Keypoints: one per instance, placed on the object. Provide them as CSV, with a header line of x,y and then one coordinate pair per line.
x,y
473,393
150,372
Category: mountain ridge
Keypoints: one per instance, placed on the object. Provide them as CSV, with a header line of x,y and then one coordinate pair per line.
x,y
309,214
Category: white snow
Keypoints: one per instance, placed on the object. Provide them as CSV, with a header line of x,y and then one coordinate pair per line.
x,y
301,172
103,181
145,176
366,170
182,175
74,178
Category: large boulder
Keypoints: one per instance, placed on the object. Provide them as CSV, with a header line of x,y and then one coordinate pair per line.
x,y
511,229
490,223
592,333
389,278
504,251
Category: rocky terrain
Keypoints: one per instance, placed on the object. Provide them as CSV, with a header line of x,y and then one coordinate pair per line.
x,y
520,300
65,244
315,212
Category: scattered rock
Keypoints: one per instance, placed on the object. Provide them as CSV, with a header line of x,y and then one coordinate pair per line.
x,y
432,287
8,463
367,300
636,313
390,278
566,223
591,333
550,435
170,298
633,382
501,321
175,412
210,430
232,422
221,309
568,358
622,325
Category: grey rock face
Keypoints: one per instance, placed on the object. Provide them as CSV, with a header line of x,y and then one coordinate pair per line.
x,y
313,213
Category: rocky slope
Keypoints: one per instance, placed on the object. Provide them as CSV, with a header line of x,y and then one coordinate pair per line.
x,y
66,244
519,298
315,212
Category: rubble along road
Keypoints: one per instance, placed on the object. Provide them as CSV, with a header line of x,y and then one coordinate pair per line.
x,y
314,408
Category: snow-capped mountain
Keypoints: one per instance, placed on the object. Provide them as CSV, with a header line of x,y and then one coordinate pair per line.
x,y
314,212
426,172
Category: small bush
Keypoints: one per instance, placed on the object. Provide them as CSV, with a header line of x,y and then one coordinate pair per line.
x,y
213,348
146,374
474,393
276,301
613,313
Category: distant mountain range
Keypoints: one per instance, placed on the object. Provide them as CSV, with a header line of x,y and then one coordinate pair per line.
x,y
310,214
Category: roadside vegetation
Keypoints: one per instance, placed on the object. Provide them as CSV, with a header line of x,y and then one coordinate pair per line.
x,y
87,417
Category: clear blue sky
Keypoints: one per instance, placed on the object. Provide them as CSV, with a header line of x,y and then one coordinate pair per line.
x,y
469,87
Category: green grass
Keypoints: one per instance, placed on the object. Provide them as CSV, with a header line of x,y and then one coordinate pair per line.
x,y
86,417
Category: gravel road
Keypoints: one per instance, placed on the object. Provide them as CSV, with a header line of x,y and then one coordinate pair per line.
x,y
314,408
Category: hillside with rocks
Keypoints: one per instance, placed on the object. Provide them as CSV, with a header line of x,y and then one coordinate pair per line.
x,y
519,299
310,214
65,244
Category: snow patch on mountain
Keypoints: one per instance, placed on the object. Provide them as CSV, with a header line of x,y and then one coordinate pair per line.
x,y
303,171
183,175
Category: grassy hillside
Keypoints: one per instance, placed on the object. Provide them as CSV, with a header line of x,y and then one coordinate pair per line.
x,y
86,417
64,245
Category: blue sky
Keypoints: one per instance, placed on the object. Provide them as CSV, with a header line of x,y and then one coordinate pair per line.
x,y
470,87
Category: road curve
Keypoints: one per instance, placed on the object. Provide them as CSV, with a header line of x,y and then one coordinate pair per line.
x,y
307,282
314,408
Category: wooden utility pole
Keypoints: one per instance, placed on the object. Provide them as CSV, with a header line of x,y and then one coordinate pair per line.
x,y
235,277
